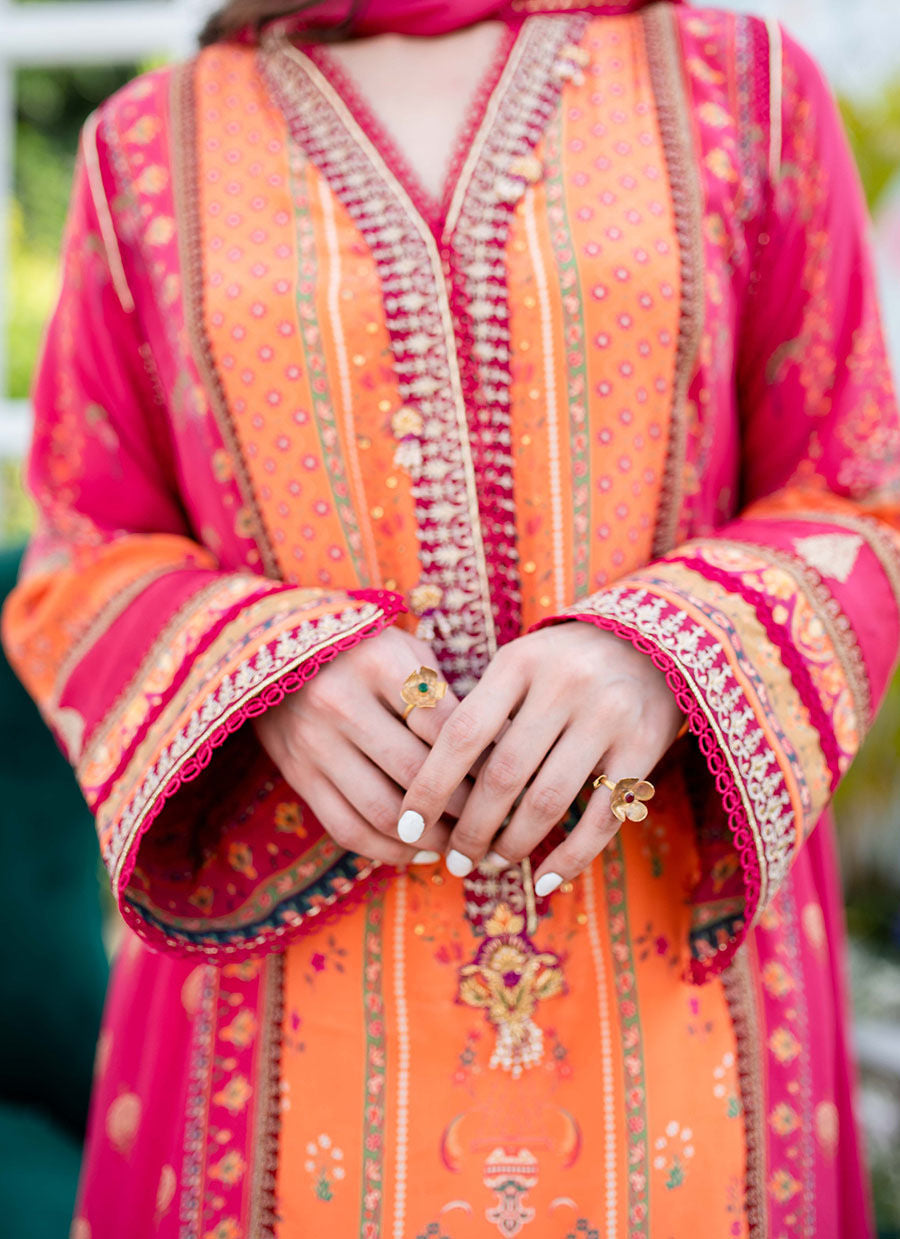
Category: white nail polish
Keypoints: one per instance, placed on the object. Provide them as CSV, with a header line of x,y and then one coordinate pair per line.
x,y
411,826
425,858
546,884
495,862
458,864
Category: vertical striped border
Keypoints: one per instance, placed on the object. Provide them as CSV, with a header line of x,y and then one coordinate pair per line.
x,y
660,24
610,1168
403,1058
634,1080
371,1187
185,186
738,986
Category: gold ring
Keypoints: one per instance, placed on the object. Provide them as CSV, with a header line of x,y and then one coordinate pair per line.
x,y
627,795
422,688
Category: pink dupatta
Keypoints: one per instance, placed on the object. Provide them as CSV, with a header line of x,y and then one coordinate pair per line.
x,y
432,17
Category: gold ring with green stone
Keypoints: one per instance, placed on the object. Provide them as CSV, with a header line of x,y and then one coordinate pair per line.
x,y
422,688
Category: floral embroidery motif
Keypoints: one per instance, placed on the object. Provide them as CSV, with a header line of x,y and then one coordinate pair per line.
x,y
724,1091
784,1045
502,175
783,1186
511,889
777,979
232,1044
289,819
673,1153
230,1169
510,1175
235,1094
784,1119
583,1230
242,1029
325,1162
507,979
228,1228
792,1153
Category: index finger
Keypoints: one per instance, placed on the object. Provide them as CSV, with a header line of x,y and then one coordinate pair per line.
x,y
471,727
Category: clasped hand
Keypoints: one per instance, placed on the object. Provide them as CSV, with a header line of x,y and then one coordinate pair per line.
x,y
485,777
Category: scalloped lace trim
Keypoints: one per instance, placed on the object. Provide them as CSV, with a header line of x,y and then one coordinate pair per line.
x,y
703,968
343,895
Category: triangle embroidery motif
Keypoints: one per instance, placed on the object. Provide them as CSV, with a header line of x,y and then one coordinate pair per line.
x,y
833,554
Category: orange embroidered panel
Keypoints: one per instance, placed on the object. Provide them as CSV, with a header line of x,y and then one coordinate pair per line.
x,y
308,384
495,1073
594,269
594,288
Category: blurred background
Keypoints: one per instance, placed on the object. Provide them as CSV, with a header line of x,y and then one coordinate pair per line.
x,y
59,59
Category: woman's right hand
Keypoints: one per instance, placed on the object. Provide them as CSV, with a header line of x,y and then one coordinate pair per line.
x,y
342,746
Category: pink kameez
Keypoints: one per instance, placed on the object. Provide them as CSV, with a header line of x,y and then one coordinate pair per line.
x,y
630,371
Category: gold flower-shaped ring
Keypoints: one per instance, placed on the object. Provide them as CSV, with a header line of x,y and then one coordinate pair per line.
x,y
422,688
627,796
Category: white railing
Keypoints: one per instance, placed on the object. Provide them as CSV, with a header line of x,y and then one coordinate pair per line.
x,y
70,34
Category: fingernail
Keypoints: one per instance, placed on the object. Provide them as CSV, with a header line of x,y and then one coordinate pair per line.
x,y
546,884
425,858
411,826
494,860
458,864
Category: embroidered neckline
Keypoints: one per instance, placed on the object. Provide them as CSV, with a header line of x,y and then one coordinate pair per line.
x,y
446,305
433,209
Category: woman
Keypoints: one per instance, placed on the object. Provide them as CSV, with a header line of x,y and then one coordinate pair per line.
x,y
571,429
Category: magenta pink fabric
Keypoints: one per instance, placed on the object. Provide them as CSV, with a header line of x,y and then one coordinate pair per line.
x,y
433,17
800,435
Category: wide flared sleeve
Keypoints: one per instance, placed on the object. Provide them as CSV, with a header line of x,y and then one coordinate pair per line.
x,y
146,658
778,631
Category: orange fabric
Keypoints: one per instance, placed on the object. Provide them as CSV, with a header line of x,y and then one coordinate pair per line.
x,y
623,265
509,414
442,1122
340,398
594,326
43,619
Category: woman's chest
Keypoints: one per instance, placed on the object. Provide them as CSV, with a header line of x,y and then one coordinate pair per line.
x,y
496,409
419,93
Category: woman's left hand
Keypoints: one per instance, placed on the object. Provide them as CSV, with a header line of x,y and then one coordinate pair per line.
x,y
558,705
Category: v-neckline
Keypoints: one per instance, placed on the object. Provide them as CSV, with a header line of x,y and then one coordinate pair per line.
x,y
433,210
445,297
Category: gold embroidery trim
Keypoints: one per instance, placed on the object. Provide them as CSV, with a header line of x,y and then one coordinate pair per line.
x,y
104,216
185,174
673,116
